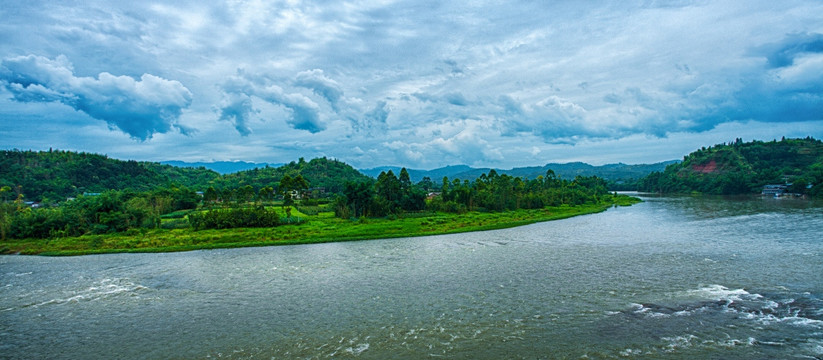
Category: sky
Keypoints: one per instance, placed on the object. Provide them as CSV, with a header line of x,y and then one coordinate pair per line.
x,y
421,84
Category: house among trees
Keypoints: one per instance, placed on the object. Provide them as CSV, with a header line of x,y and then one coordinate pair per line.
x,y
774,190
316,192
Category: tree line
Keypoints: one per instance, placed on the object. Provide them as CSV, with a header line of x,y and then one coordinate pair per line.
x,y
106,212
392,195
744,168
53,176
121,210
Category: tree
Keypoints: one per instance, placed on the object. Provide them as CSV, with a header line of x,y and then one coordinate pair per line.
x,y
358,197
405,181
210,195
426,184
288,202
265,194
300,184
5,193
388,186
245,193
6,212
285,185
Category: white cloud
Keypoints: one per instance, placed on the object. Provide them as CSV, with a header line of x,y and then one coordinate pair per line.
x,y
237,105
139,108
479,83
320,85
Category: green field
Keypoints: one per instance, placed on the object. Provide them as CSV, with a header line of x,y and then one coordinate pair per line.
x,y
319,228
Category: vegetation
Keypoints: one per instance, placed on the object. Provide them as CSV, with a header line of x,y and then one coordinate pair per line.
x,y
744,168
111,211
324,227
328,174
176,217
618,176
234,218
52,176
492,192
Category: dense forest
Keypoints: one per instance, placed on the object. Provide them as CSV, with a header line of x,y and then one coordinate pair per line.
x,y
489,192
328,174
53,176
92,194
744,168
61,193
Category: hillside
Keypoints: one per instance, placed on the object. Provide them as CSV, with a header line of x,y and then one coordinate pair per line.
x,y
610,172
744,168
55,175
320,172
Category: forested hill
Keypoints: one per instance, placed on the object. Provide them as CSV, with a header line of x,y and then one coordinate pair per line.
x,y
320,172
55,175
744,168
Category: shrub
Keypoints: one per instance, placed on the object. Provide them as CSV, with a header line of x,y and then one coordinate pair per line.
x,y
234,218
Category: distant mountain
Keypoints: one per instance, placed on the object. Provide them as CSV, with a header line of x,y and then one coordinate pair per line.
x,y
417,175
611,172
222,167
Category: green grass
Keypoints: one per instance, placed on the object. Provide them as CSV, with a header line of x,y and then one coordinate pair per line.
x,y
323,227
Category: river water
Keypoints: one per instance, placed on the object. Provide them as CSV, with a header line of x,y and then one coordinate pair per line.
x,y
675,278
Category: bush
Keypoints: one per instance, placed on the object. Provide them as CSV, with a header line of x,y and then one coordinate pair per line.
x,y
234,218
175,224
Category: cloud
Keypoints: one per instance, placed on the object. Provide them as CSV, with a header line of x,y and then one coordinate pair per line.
x,y
320,85
783,53
305,113
456,98
237,105
336,76
236,108
555,119
374,119
140,108
790,88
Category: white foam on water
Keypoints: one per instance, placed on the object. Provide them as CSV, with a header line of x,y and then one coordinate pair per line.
x,y
794,319
359,349
753,306
99,290
731,343
679,342
720,292
631,352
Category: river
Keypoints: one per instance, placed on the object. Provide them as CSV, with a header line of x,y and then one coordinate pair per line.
x,y
672,277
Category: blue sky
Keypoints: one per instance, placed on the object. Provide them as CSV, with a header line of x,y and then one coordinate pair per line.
x,y
421,84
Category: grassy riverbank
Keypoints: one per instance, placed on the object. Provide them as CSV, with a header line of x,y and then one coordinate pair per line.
x,y
323,227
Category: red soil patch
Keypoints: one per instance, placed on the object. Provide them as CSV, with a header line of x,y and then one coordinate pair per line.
x,y
707,168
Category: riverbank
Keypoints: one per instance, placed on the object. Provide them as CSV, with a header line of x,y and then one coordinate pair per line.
x,y
320,228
